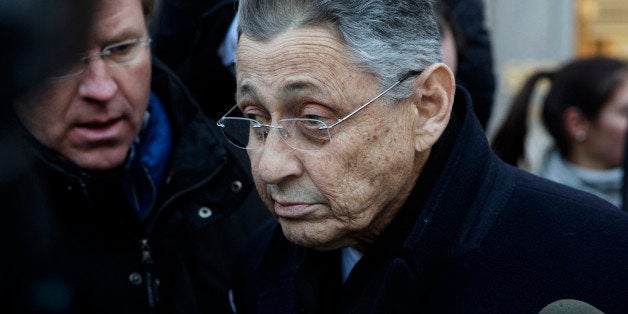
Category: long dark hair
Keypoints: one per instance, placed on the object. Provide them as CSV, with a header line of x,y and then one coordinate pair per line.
x,y
587,84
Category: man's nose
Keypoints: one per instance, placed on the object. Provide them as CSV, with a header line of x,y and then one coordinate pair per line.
x,y
97,82
276,160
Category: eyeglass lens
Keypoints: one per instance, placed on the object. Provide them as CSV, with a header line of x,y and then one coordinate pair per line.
x,y
116,55
302,134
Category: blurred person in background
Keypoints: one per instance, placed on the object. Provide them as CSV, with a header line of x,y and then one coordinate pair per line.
x,y
38,37
197,40
146,206
474,69
586,113
451,41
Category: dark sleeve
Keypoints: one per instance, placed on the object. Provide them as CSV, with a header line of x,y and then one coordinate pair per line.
x,y
475,65
186,36
175,27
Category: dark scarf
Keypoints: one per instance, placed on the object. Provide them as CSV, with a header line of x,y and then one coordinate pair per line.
x,y
149,159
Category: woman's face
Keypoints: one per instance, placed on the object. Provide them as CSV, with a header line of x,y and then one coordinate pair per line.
x,y
606,135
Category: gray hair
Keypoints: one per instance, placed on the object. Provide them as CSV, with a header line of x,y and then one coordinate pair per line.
x,y
385,37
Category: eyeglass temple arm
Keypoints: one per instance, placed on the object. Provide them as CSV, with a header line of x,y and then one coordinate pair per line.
x,y
403,78
226,114
105,52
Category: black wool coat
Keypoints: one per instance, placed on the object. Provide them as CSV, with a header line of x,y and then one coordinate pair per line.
x,y
475,236
87,252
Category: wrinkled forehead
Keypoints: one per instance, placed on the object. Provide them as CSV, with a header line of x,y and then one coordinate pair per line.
x,y
310,57
310,47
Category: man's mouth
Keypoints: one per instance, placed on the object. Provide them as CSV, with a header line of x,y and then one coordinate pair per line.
x,y
291,210
100,130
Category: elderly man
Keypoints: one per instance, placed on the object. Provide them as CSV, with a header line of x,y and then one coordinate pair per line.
x,y
387,196
146,205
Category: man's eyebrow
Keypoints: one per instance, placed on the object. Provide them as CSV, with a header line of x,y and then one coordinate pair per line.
x,y
299,87
289,90
247,91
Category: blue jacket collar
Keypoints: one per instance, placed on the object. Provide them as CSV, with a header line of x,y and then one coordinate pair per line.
x,y
149,159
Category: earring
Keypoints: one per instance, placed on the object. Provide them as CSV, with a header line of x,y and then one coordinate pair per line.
x,y
581,136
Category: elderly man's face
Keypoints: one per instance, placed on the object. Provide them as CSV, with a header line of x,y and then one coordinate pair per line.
x,y
346,193
93,118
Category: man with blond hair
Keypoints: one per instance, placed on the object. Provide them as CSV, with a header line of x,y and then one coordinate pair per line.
x,y
146,204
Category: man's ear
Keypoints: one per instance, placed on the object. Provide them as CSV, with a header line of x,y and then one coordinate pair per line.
x,y
433,97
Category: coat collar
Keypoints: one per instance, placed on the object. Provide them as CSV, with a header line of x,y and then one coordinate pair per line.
x,y
195,135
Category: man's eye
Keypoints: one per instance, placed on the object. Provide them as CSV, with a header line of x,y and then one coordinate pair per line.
x,y
324,119
311,123
121,49
256,117
313,117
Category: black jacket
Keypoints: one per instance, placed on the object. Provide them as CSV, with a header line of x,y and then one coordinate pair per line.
x,y
186,36
97,257
475,236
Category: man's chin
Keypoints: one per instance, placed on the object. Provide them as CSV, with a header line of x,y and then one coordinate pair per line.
x,y
302,234
98,160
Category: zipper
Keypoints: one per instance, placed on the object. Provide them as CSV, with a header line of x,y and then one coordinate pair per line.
x,y
152,283
155,215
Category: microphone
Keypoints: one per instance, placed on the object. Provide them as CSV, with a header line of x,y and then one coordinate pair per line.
x,y
570,306
624,200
